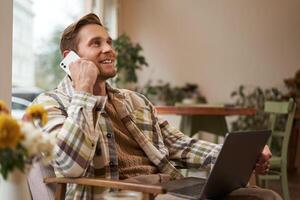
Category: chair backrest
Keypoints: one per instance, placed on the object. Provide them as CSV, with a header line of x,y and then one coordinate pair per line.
x,y
276,110
40,190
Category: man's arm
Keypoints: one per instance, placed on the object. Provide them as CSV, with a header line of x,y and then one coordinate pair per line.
x,y
75,133
186,151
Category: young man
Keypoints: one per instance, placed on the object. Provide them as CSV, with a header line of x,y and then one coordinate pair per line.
x,y
116,134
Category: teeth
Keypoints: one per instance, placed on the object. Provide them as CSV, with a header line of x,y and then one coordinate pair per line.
x,y
108,61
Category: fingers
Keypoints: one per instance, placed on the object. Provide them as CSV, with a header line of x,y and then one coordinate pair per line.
x,y
262,168
266,153
84,75
263,164
265,156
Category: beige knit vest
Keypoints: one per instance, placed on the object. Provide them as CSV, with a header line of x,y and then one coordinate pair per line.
x,y
132,159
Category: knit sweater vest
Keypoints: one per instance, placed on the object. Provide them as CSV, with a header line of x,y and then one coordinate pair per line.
x,y
132,160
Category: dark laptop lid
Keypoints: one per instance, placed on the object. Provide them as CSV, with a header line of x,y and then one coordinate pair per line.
x,y
235,162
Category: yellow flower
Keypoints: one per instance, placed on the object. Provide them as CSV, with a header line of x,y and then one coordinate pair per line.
x,y
37,112
10,133
3,107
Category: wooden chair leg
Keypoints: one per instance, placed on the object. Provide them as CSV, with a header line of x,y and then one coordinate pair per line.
x,y
285,186
60,191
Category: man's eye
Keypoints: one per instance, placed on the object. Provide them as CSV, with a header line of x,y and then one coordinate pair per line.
x,y
96,43
109,42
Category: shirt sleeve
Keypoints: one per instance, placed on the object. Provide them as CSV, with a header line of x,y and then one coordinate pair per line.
x,y
75,133
186,151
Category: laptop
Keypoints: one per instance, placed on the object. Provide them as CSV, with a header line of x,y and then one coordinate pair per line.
x,y
231,171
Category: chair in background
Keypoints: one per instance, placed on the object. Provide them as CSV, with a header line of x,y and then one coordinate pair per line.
x,y
278,170
44,185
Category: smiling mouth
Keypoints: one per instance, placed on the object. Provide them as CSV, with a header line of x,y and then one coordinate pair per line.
x,y
107,61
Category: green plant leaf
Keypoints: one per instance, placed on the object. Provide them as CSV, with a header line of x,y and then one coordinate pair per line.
x,y
129,59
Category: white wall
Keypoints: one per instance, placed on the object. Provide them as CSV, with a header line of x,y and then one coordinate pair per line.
x,y
6,18
217,44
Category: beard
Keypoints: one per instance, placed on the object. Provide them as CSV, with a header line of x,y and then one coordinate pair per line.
x,y
107,72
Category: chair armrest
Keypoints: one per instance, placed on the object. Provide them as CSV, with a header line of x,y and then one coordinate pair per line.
x,y
145,188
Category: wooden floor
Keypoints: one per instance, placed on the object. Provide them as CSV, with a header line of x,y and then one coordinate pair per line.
x,y
294,186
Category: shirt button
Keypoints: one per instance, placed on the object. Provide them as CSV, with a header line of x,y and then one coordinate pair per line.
x,y
109,135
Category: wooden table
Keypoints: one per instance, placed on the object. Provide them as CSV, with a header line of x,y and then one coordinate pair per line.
x,y
207,118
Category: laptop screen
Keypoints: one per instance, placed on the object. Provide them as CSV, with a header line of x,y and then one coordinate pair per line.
x,y
235,162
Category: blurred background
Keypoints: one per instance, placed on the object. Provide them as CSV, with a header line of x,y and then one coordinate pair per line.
x,y
214,46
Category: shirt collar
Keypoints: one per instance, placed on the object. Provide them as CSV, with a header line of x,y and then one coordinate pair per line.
x,y
66,87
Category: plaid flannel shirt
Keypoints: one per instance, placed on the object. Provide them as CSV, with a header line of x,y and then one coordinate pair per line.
x,y
86,143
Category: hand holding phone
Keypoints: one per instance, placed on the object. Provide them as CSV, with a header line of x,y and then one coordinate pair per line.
x,y
65,63
85,75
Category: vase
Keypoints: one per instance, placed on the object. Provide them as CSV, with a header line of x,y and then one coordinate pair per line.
x,y
15,187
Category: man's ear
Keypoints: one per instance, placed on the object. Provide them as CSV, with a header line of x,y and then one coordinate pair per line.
x,y
65,53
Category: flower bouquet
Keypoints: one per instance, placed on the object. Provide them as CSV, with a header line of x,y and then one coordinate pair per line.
x,y
22,142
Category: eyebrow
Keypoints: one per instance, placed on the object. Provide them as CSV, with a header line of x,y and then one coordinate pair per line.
x,y
99,38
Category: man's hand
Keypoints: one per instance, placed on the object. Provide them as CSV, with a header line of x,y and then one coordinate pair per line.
x,y
84,74
263,164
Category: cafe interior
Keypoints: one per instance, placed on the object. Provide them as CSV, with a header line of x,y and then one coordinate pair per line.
x,y
208,67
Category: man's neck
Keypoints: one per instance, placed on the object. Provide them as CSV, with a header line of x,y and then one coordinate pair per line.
x,y
99,88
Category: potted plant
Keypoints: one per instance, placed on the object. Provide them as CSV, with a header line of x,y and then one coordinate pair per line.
x,y
129,60
253,98
293,85
165,94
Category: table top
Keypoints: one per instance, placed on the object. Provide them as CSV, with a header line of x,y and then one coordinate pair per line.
x,y
204,110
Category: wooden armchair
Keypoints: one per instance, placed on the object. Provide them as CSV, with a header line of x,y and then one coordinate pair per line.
x,y
44,185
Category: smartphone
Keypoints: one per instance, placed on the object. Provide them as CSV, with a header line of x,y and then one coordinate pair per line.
x,y
70,57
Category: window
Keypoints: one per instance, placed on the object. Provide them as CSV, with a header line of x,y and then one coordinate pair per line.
x,y
37,27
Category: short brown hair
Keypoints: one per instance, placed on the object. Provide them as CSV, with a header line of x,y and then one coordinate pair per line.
x,y
69,37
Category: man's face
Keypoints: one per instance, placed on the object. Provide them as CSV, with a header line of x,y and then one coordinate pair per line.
x,y
95,44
